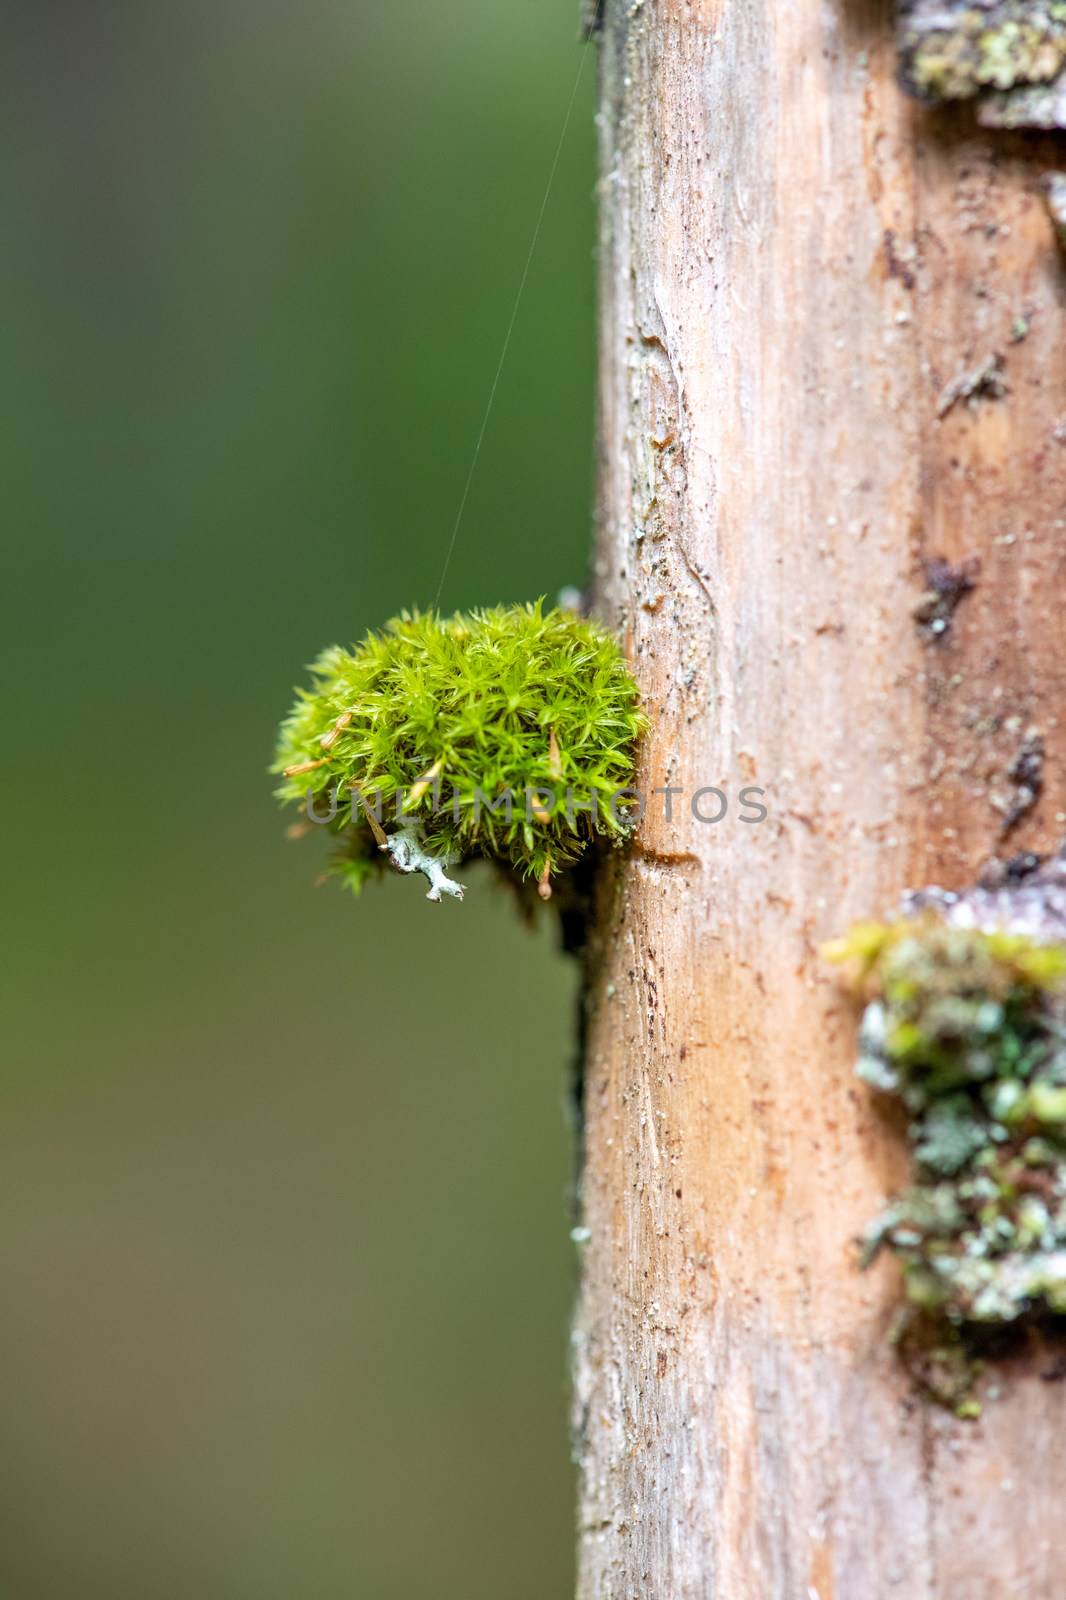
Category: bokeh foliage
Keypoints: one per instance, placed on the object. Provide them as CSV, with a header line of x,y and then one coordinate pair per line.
x,y
284,1259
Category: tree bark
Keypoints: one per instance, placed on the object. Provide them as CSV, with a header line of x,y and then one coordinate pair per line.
x,y
797,262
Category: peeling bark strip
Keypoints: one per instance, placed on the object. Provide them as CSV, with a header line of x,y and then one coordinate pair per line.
x,y
797,260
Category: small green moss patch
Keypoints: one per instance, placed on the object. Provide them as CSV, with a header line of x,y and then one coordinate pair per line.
x,y
507,733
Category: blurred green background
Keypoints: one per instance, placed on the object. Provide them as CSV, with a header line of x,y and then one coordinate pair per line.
x,y
284,1242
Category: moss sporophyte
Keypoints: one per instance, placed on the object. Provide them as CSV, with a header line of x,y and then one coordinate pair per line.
x,y
966,1028
506,733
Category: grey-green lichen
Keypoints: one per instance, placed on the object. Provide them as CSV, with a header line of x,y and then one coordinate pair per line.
x,y
1036,106
966,1028
956,49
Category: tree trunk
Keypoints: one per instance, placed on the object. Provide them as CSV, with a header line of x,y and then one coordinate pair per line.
x,y
796,264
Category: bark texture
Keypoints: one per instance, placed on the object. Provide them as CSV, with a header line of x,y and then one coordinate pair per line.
x,y
799,267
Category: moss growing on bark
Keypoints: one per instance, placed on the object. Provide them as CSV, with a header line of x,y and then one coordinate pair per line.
x,y
505,733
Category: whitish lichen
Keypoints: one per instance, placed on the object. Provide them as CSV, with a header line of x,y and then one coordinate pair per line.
x,y
965,1025
409,854
1036,106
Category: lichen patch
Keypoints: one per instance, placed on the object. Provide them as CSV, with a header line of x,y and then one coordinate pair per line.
x,y
956,49
964,1026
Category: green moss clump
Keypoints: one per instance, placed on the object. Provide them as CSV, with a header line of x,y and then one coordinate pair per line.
x,y
433,722
955,49
968,1030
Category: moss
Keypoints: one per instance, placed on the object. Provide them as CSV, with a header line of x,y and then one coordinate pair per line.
x,y
955,49
428,726
967,1029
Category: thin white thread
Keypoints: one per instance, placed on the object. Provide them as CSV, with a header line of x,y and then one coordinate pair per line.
x,y
511,325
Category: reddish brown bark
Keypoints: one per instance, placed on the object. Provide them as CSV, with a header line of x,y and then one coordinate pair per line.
x,y
796,264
